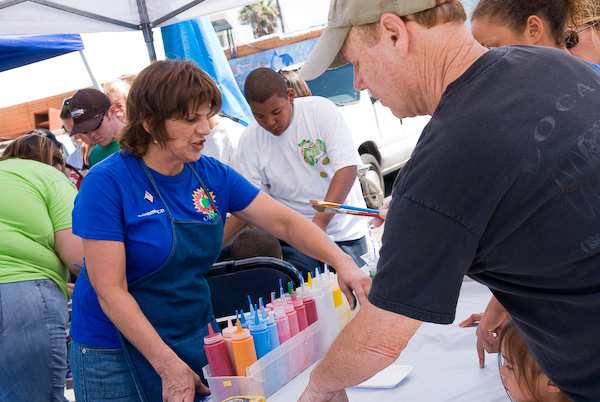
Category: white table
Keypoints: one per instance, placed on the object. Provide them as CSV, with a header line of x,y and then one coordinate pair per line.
x,y
445,364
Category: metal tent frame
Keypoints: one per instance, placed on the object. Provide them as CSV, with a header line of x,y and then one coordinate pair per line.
x,y
145,25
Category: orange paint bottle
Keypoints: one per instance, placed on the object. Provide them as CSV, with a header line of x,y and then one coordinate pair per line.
x,y
244,352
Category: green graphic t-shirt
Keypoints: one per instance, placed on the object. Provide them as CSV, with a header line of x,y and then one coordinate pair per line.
x,y
36,202
99,153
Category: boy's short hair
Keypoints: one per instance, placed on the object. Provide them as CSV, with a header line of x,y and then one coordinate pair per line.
x,y
262,83
255,243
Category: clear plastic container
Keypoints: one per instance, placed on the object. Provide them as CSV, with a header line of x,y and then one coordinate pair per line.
x,y
275,369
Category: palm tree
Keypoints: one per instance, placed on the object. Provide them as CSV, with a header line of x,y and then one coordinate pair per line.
x,y
263,16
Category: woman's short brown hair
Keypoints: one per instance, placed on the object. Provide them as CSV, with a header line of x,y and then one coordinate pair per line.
x,y
39,145
167,89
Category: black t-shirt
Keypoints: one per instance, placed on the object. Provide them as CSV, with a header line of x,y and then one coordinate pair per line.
x,y
504,186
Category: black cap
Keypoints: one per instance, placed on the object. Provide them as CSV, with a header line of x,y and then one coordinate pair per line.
x,y
88,107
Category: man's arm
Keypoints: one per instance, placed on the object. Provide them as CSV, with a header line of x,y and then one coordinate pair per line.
x,y
338,190
368,344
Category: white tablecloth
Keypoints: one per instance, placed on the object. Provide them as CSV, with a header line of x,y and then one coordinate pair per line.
x,y
445,364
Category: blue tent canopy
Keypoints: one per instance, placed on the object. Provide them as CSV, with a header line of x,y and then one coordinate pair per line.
x,y
196,40
18,50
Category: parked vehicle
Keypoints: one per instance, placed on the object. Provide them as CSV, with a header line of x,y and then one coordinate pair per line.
x,y
385,143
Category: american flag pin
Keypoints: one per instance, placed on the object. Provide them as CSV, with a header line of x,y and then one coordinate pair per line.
x,y
148,196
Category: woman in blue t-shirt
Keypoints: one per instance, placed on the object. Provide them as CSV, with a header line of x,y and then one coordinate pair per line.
x,y
152,219
583,39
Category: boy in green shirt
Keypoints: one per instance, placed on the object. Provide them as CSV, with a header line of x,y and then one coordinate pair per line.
x,y
94,115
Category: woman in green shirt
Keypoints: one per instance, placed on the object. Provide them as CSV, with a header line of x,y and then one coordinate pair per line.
x,y
37,250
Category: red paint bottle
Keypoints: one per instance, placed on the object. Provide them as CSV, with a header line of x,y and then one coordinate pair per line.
x,y
310,305
217,354
300,310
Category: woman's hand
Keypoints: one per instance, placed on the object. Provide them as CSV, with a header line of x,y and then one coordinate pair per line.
x,y
491,323
353,281
180,383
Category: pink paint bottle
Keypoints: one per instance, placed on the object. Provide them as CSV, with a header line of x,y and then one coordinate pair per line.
x,y
217,354
292,316
283,325
298,303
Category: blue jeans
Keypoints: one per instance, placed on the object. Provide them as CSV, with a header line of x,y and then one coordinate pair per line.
x,y
305,264
101,375
33,348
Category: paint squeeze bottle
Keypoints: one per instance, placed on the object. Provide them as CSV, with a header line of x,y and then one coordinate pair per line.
x,y
300,308
244,353
310,303
292,316
283,325
343,309
261,335
243,320
269,319
228,336
217,354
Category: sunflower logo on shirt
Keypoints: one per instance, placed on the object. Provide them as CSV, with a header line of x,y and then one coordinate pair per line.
x,y
204,204
315,153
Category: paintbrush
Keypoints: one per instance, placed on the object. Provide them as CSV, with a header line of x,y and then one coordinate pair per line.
x,y
334,207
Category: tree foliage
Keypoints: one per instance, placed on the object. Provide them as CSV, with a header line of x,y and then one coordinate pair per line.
x,y
262,16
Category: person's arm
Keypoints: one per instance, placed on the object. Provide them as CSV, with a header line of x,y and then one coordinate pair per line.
x,y
105,264
490,324
369,343
70,250
288,225
338,190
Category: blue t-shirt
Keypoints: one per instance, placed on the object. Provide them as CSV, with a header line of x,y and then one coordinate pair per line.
x,y
596,66
117,202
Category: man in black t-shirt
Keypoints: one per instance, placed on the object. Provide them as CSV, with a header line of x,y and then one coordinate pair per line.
x,y
503,186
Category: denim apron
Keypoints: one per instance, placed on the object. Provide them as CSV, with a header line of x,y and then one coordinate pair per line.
x,y
176,297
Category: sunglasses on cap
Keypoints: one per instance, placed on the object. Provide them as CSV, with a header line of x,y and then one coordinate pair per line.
x,y
101,116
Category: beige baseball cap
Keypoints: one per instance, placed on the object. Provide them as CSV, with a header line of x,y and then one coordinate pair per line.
x,y
343,15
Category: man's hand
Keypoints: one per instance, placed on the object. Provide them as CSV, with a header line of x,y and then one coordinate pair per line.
x,y
312,395
491,324
352,279
322,219
377,222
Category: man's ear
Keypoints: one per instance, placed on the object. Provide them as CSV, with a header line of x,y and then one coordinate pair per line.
x,y
290,94
393,29
534,29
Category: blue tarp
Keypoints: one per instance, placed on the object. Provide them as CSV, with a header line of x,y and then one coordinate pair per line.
x,y
17,51
196,40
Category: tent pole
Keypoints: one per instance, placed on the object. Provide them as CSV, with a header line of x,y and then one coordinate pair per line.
x,y
149,39
146,27
89,70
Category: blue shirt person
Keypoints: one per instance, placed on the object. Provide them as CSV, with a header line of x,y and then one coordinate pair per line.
x,y
151,218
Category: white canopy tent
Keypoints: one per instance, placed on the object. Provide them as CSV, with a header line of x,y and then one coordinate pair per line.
x,y
83,16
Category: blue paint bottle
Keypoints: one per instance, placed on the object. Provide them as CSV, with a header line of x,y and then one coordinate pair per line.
x,y
269,319
261,335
